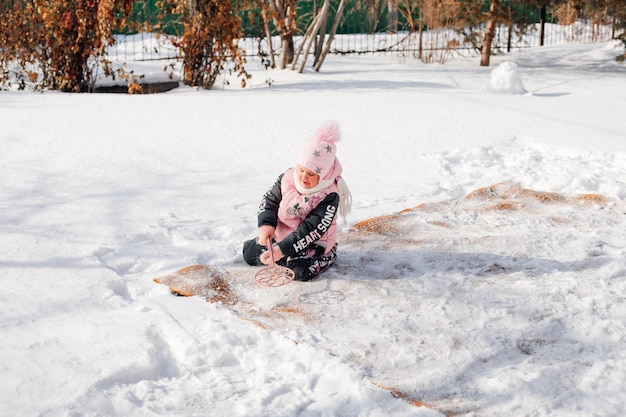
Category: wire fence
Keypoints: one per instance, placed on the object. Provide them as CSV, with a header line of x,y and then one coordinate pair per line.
x,y
365,28
430,46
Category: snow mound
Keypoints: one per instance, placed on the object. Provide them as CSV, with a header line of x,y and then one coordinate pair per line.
x,y
507,79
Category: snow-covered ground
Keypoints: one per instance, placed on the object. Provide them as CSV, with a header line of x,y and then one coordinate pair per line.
x,y
508,303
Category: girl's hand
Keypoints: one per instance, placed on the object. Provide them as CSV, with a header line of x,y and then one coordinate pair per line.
x,y
266,232
265,256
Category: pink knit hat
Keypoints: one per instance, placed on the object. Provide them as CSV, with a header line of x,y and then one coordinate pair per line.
x,y
319,153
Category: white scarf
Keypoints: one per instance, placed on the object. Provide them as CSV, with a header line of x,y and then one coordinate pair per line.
x,y
345,196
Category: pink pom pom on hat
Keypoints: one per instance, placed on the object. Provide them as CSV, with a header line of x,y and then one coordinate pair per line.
x,y
319,153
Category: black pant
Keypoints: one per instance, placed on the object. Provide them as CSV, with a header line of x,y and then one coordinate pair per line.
x,y
306,264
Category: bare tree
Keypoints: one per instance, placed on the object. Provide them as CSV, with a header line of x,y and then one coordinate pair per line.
x,y
311,34
316,32
284,14
331,36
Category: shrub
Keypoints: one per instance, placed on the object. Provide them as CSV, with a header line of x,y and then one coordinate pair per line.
x,y
211,31
58,44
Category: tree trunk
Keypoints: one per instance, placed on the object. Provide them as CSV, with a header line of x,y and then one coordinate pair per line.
x,y
509,39
331,36
268,34
286,51
592,22
319,42
307,41
421,40
489,34
303,42
542,33
284,20
392,16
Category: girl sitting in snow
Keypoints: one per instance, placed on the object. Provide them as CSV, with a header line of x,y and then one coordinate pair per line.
x,y
299,212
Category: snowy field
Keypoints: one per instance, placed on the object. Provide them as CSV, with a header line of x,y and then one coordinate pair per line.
x,y
508,302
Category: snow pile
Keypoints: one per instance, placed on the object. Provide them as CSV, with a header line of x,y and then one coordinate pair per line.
x,y
507,303
507,79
